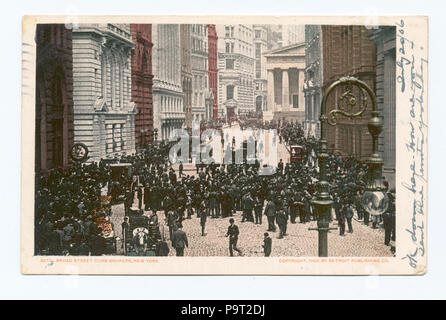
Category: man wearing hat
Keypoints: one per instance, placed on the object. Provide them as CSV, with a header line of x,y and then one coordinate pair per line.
x,y
282,220
389,219
179,241
270,212
233,234
267,244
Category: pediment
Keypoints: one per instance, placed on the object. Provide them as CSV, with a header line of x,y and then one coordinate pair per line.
x,y
100,105
294,49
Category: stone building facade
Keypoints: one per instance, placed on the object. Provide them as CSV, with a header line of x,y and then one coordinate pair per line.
x,y
235,70
186,72
142,80
104,115
313,79
260,81
348,51
168,108
54,97
284,35
285,81
200,73
385,39
212,70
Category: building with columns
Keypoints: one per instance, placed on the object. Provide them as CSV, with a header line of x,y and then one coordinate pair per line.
x,y
186,72
313,79
285,79
104,115
235,70
260,82
54,97
142,80
199,66
385,39
212,70
168,108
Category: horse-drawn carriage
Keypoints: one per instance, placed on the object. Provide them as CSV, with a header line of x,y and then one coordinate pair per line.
x,y
296,153
142,234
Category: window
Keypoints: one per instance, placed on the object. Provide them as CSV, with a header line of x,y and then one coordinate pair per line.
x,y
232,32
228,47
232,47
295,101
257,34
229,92
227,34
230,64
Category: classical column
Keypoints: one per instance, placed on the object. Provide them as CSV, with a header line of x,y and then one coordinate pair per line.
x,y
270,88
300,85
285,91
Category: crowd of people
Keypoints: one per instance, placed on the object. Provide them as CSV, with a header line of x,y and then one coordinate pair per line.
x,y
69,202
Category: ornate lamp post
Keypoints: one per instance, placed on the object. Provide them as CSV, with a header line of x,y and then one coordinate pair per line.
x,y
374,198
155,134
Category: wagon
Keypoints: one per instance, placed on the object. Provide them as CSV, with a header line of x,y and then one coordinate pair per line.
x,y
296,153
141,237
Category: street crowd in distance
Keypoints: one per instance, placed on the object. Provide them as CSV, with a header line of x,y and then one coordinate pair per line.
x,y
72,217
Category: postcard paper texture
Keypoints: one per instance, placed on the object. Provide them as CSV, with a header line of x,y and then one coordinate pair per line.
x,y
237,145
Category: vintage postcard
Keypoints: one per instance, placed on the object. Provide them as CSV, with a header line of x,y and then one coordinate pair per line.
x,y
214,145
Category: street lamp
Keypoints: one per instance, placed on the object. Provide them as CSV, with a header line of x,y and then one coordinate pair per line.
x,y
155,133
374,199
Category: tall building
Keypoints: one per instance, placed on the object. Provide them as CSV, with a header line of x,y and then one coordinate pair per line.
x,y
54,96
236,70
285,81
284,35
260,81
199,65
313,79
168,108
186,72
104,115
213,71
142,80
385,39
348,51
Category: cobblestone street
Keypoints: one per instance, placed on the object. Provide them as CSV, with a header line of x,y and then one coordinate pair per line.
x,y
300,242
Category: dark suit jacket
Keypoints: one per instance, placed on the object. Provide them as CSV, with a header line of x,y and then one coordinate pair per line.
x,y
233,231
267,245
179,239
270,209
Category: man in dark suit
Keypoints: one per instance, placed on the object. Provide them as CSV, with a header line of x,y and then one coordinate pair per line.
x,y
267,244
128,201
282,220
171,222
341,222
270,212
179,241
349,215
233,233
